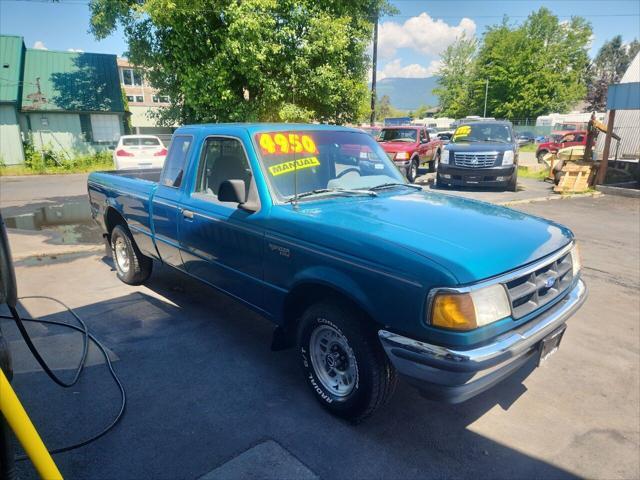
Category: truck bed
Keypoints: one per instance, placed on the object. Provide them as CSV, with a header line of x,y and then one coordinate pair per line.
x,y
149,174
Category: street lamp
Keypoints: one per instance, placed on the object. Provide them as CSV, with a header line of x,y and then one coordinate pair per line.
x,y
486,93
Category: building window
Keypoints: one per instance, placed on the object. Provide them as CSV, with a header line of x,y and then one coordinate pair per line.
x,y
85,127
131,76
160,99
130,98
106,128
140,98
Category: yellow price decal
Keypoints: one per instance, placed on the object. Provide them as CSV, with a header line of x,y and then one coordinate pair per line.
x,y
287,167
283,143
462,131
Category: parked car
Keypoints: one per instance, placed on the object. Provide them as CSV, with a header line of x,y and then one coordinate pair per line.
x,y
561,140
444,136
373,131
480,154
139,151
365,275
525,138
410,148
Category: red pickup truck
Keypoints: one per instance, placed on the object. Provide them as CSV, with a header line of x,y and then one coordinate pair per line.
x,y
561,140
410,147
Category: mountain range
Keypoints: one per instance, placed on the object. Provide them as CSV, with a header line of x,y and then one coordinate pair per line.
x,y
408,93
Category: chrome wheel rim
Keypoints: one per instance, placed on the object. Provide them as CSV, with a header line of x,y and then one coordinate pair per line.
x,y
333,360
122,255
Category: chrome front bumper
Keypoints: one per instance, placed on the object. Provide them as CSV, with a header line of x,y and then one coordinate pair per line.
x,y
454,375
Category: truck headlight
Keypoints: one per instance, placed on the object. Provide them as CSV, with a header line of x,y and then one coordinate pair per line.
x,y
575,260
444,156
466,311
402,156
508,157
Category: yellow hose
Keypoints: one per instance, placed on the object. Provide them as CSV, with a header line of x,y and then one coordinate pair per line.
x,y
26,433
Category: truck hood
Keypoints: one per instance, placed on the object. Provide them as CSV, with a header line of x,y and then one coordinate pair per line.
x,y
472,240
479,147
398,146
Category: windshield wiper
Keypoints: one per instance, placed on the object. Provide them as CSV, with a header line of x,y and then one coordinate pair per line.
x,y
382,186
336,191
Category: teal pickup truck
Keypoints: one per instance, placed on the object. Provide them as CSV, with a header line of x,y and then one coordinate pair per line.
x,y
367,276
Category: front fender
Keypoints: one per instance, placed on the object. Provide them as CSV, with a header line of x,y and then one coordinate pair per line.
x,y
335,280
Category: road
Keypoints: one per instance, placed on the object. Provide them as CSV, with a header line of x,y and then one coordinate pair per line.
x,y
32,189
206,393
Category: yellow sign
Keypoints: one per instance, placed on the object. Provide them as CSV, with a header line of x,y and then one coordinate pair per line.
x,y
289,166
462,131
282,143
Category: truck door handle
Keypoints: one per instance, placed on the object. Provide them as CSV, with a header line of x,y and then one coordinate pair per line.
x,y
186,213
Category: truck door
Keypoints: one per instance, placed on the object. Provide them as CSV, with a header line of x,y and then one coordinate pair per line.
x,y
221,243
165,206
426,146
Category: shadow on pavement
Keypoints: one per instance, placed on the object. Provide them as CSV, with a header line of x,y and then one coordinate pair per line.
x,y
203,386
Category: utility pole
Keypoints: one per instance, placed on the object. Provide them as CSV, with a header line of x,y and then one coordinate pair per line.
x,y
486,94
373,72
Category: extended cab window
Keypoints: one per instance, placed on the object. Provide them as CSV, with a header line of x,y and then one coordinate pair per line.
x,y
222,159
176,160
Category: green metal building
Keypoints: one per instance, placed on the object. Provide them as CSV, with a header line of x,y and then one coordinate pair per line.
x,y
68,102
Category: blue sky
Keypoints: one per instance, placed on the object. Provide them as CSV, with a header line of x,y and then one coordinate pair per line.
x,y
409,45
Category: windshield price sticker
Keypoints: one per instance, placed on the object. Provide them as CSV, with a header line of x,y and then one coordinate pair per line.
x,y
290,166
282,143
462,131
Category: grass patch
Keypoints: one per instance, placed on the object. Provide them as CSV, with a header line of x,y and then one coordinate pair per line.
x,y
529,147
51,162
524,172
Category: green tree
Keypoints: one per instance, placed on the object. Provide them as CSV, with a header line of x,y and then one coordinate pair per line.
x,y
232,60
383,108
421,111
607,68
456,78
532,69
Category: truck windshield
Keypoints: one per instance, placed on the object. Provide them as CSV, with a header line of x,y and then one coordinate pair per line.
x,y
398,135
482,132
326,162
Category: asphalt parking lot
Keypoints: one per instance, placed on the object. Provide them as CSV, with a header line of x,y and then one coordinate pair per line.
x,y
208,397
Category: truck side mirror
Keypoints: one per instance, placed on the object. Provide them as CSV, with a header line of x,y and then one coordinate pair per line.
x,y
232,191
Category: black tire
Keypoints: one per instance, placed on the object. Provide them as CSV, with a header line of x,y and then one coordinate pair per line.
x,y
375,378
433,164
412,170
513,184
139,265
540,156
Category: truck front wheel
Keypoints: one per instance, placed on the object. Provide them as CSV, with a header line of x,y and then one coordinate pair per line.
x,y
132,267
343,361
412,170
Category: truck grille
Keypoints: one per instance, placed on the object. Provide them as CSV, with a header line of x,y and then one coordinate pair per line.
x,y
391,155
476,159
536,289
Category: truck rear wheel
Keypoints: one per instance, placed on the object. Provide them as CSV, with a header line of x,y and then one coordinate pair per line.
x,y
343,361
132,267
540,155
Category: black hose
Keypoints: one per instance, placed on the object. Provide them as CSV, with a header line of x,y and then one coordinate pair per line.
x,y
34,350
87,336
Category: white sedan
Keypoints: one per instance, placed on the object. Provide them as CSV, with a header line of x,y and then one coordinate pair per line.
x,y
139,151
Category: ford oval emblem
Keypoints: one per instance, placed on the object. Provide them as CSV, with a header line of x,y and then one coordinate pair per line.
x,y
550,282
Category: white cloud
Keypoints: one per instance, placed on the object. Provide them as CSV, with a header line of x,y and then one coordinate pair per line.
x,y
78,50
39,45
421,33
394,69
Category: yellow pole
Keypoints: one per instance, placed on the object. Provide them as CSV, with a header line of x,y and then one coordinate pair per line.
x,y
26,433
